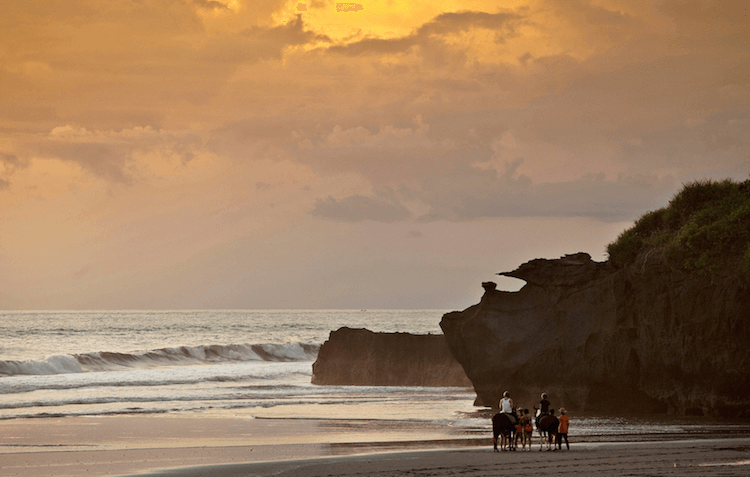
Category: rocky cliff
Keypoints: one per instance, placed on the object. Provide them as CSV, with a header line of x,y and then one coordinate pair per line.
x,y
646,337
362,357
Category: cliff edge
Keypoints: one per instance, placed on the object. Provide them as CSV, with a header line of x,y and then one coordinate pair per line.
x,y
662,328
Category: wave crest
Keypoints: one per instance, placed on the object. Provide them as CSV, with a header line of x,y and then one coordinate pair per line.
x,y
58,364
179,356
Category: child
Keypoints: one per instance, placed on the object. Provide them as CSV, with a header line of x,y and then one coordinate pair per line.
x,y
527,428
563,431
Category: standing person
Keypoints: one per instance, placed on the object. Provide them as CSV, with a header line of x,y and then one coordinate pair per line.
x,y
506,406
563,432
525,428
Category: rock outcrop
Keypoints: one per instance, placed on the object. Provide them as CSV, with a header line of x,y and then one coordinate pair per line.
x,y
361,357
645,338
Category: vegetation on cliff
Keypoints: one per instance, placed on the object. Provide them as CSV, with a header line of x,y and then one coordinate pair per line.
x,y
705,229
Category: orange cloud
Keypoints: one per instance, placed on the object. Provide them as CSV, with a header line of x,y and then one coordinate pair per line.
x,y
141,141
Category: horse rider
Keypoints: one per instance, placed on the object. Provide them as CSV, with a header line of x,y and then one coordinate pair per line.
x,y
544,405
506,406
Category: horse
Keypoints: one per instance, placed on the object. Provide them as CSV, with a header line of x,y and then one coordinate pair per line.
x,y
547,425
502,425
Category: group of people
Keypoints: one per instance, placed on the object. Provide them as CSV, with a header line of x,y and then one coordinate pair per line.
x,y
522,419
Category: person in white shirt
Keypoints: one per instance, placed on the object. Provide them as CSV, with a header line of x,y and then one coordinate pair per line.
x,y
507,407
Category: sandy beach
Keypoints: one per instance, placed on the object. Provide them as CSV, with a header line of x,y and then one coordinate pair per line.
x,y
710,457
223,446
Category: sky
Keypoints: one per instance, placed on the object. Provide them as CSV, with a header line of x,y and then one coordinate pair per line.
x,y
268,154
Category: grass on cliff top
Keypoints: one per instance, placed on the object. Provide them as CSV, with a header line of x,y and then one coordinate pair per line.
x,y
705,230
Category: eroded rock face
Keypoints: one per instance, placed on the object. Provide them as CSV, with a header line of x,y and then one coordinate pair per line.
x,y
361,357
644,339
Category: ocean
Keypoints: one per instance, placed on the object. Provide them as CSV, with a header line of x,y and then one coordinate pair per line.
x,y
250,364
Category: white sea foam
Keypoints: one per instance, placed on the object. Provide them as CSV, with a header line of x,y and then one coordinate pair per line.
x,y
721,464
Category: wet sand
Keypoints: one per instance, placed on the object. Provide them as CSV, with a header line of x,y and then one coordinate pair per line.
x,y
131,444
191,446
725,457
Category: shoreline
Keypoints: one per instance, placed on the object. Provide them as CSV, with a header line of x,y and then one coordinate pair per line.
x,y
223,445
129,444
726,457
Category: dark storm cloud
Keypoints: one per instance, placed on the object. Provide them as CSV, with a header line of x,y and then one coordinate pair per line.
x,y
444,24
482,194
104,160
319,4
463,21
719,142
107,154
471,194
268,42
209,4
10,164
357,208
378,46
224,53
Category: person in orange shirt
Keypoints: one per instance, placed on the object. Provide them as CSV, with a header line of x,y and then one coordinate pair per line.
x,y
524,429
563,430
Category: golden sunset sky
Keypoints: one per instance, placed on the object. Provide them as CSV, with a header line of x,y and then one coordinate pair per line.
x,y
260,154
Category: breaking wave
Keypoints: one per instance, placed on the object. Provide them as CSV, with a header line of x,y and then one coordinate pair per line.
x,y
179,356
